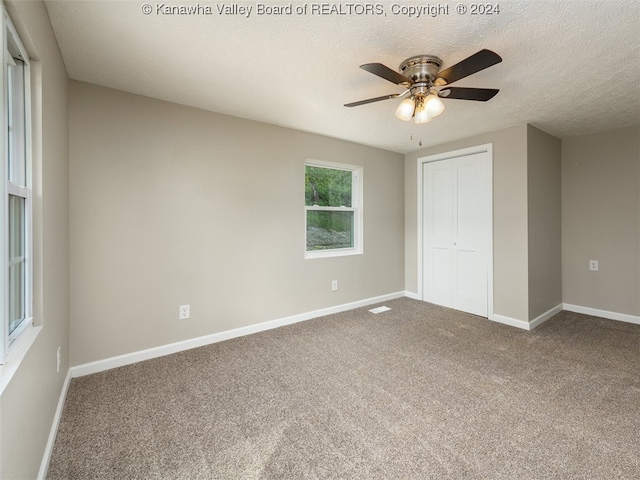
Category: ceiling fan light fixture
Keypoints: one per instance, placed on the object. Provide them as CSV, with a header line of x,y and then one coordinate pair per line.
x,y
434,105
405,109
421,115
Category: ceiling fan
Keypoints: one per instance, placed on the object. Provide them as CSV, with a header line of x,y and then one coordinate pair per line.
x,y
425,84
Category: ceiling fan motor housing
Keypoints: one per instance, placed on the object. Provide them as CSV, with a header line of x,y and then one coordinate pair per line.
x,y
421,68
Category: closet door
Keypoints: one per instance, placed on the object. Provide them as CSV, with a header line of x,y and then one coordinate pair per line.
x,y
456,230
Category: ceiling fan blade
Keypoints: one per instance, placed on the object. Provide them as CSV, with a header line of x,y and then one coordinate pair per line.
x,y
473,64
385,72
462,93
371,100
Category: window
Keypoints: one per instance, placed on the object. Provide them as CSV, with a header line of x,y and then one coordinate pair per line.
x,y
16,187
333,209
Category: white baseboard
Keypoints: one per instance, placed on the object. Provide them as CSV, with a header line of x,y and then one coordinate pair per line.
x,y
622,317
48,449
524,324
510,321
134,357
412,295
545,316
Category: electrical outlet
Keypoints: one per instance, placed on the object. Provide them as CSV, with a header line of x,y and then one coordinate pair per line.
x,y
58,360
334,285
184,312
593,265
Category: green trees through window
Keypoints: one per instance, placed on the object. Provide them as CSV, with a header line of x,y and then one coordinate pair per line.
x,y
327,187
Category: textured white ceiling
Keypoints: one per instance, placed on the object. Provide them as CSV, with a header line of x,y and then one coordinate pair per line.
x,y
569,67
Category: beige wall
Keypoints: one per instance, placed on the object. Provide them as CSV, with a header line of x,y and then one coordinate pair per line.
x,y
172,205
600,220
28,403
544,229
510,260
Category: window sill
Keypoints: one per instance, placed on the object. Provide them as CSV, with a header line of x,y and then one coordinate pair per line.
x,y
17,355
331,253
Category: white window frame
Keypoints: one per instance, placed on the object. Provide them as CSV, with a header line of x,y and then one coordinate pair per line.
x,y
357,183
9,342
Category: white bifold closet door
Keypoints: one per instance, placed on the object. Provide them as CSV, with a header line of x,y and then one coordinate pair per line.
x,y
456,228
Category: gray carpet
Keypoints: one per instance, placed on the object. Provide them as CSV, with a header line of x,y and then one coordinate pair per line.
x,y
418,392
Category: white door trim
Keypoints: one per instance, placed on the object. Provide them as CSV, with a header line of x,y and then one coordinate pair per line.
x,y
488,148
